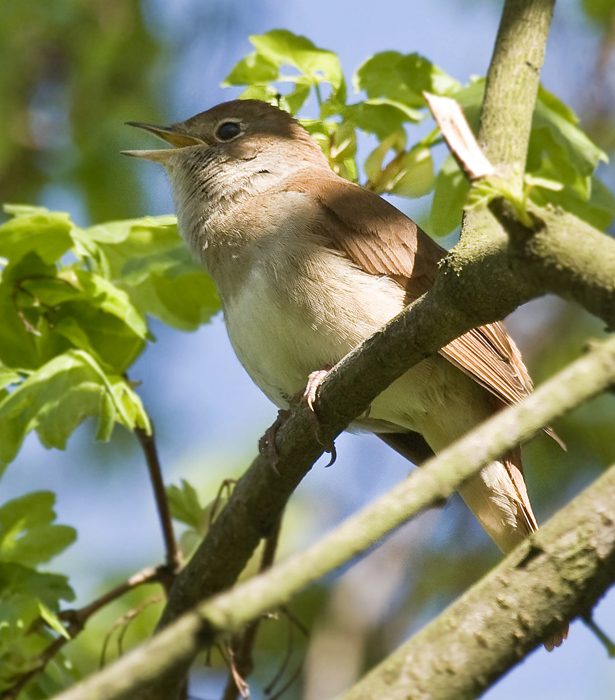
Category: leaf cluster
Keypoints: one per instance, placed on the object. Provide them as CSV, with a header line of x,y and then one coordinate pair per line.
x,y
28,538
74,304
561,162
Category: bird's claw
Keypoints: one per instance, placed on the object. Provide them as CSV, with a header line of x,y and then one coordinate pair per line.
x,y
267,445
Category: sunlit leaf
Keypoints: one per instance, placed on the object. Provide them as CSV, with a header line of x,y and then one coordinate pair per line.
x,y
254,69
402,78
54,400
415,174
184,504
35,230
52,620
282,47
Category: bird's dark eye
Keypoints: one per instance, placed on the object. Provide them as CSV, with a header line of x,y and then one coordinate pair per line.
x,y
228,131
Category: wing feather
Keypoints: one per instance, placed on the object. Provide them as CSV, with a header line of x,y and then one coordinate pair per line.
x,y
383,241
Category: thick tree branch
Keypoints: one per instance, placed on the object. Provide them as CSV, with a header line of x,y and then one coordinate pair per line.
x,y
557,574
171,652
512,85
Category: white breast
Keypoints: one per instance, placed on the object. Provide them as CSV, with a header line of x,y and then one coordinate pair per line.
x,y
289,320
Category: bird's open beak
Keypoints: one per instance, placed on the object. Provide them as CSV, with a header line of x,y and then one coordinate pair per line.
x,y
169,134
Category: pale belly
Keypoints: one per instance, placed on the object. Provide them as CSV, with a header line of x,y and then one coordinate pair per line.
x,y
280,340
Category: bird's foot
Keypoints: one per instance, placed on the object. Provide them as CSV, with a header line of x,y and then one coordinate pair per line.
x,y
309,396
267,445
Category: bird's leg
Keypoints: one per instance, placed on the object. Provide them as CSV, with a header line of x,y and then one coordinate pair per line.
x,y
267,444
309,396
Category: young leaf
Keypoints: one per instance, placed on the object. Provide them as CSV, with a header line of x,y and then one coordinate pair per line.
x,y
184,504
254,69
281,47
415,176
402,78
35,230
379,117
27,535
54,400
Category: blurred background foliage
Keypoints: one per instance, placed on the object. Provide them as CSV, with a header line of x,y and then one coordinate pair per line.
x,y
71,73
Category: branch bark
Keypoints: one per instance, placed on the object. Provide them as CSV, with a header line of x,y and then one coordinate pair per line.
x,y
166,658
557,574
512,84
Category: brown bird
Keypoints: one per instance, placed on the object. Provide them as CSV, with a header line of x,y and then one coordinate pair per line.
x,y
309,265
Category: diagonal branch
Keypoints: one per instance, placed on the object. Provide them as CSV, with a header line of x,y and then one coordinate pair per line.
x,y
166,658
558,574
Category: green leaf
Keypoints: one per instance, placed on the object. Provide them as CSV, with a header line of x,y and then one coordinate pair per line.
x,y
18,579
48,234
27,535
54,400
553,103
379,117
152,264
104,336
112,300
295,99
8,377
120,241
583,154
264,93
598,209
190,299
543,182
184,504
254,69
415,176
52,620
131,406
281,47
19,343
25,595
402,78
451,191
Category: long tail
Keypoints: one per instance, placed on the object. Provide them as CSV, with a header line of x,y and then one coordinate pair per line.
x,y
498,498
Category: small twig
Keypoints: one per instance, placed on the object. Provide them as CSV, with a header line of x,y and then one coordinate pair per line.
x,y
77,618
148,445
124,622
604,639
292,623
227,485
243,644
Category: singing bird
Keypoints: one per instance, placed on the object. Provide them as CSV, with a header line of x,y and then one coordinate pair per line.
x,y
308,265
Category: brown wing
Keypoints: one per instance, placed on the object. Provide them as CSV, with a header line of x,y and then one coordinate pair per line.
x,y
382,240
